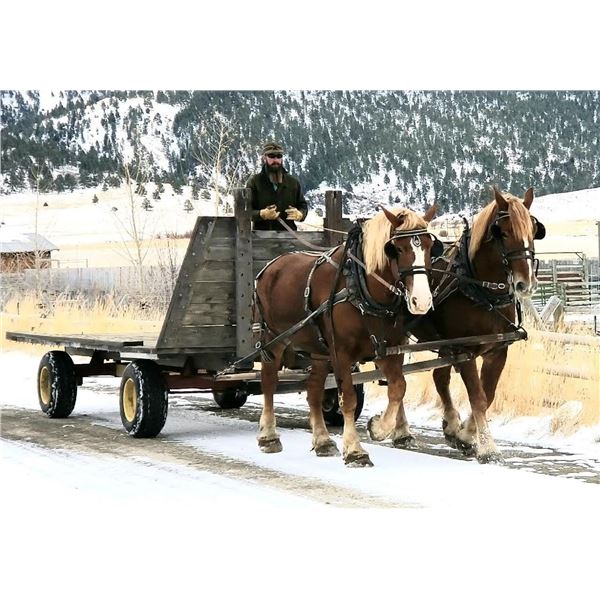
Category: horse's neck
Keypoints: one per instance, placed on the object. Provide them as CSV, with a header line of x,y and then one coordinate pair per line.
x,y
377,290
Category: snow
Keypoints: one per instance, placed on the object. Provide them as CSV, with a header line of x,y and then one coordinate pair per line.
x,y
144,527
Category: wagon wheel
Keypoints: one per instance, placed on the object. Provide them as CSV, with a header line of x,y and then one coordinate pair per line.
x,y
232,398
332,413
143,399
57,384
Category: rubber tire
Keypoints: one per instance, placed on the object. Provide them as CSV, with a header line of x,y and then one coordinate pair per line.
x,y
331,405
143,399
57,384
234,398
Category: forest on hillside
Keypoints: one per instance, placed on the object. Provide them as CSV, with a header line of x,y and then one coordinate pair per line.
x,y
419,145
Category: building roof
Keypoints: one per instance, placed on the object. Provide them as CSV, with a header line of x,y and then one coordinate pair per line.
x,y
12,241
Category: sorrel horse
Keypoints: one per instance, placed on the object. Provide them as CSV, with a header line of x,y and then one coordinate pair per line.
x,y
476,293
364,309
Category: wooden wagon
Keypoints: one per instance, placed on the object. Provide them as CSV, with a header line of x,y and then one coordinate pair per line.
x,y
207,327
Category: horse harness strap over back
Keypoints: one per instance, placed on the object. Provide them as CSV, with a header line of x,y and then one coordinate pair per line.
x,y
459,270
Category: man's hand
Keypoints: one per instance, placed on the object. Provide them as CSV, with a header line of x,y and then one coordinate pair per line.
x,y
293,214
270,213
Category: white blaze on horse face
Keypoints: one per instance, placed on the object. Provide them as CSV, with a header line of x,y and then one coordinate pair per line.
x,y
528,286
419,298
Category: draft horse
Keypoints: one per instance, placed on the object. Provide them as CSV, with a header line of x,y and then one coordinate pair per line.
x,y
476,290
363,305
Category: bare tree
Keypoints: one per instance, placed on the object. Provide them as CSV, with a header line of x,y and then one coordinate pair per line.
x,y
212,147
38,176
133,224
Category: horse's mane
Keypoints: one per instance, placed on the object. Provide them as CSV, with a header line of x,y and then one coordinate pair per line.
x,y
519,220
378,230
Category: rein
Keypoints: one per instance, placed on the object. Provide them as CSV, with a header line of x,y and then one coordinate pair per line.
x,y
395,289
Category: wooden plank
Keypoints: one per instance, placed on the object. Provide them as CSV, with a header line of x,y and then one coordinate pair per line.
x,y
210,314
212,271
333,217
207,293
200,336
244,279
92,342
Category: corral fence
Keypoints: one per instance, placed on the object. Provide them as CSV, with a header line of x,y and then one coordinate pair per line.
x,y
151,286
572,277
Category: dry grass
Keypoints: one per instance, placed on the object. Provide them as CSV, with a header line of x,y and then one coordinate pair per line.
x,y
524,389
74,316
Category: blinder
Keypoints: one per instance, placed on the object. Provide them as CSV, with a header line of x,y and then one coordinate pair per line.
x,y
438,247
390,251
495,231
540,230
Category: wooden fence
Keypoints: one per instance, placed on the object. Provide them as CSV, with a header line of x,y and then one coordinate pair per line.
x,y
575,281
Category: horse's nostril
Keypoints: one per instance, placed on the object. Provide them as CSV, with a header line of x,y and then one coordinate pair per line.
x,y
521,287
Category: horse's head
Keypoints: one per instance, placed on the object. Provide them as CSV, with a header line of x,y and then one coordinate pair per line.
x,y
512,230
408,249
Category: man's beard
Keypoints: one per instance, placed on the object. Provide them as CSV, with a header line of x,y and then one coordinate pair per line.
x,y
274,168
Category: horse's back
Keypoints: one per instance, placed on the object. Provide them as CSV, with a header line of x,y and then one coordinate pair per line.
x,y
280,287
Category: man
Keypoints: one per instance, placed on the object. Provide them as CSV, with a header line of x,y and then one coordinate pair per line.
x,y
275,193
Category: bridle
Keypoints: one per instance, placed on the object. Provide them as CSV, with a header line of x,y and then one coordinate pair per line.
x,y
392,253
521,254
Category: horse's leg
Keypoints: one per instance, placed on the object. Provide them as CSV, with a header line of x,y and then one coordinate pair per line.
x,y
392,422
323,445
354,454
451,420
491,369
268,439
476,424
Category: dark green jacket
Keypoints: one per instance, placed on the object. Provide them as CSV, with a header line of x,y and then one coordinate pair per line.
x,y
288,193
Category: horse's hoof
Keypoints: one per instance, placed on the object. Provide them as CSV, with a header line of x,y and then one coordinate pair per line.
x,y
270,446
371,424
355,459
492,457
329,448
466,448
451,440
408,441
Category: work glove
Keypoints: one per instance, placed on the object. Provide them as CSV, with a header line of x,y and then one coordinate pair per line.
x,y
293,214
270,213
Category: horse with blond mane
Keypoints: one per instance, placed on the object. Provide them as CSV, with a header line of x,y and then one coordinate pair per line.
x,y
363,288
476,289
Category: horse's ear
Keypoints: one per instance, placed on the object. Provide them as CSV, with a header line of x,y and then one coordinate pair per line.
x,y
428,216
395,220
500,200
528,199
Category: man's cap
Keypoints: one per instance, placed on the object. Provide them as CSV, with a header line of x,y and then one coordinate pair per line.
x,y
272,147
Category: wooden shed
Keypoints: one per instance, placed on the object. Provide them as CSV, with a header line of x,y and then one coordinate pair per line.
x,y
20,251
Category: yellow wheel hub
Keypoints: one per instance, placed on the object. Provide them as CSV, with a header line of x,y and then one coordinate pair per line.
x,y
130,399
45,385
